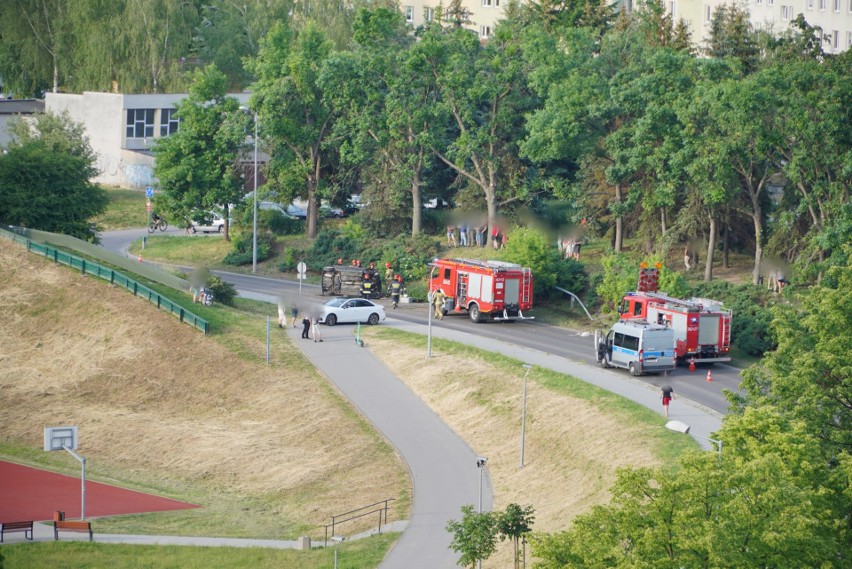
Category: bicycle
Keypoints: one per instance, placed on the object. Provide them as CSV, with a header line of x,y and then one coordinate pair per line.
x,y
161,223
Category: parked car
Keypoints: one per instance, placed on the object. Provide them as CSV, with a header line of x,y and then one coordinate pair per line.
x,y
212,223
296,212
351,310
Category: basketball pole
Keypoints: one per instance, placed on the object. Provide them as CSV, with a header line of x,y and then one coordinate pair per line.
x,y
82,482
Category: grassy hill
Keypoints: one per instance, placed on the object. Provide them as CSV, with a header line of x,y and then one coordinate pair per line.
x,y
162,408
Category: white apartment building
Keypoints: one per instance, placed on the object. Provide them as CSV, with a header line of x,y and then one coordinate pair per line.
x,y
122,129
834,17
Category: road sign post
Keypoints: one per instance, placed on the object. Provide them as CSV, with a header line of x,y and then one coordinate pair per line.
x,y
301,268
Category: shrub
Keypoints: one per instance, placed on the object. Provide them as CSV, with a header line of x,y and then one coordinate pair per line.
x,y
620,275
752,316
280,224
241,253
222,292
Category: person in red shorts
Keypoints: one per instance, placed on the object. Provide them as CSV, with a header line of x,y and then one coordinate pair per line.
x,y
666,394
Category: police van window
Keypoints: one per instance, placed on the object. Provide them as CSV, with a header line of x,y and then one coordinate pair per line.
x,y
631,343
618,340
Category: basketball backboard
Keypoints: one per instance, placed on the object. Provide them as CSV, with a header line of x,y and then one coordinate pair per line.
x,y
57,438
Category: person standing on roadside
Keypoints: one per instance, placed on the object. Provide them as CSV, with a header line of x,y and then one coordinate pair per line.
x,y
315,329
666,394
395,290
282,313
306,325
294,312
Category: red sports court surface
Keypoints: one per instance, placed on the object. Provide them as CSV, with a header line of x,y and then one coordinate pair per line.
x,y
32,494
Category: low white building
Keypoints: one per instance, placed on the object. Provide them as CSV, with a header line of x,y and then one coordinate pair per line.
x,y
13,109
122,129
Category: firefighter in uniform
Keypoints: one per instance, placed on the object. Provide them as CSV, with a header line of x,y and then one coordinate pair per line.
x,y
439,298
395,289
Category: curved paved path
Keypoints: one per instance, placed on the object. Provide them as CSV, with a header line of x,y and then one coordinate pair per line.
x,y
443,467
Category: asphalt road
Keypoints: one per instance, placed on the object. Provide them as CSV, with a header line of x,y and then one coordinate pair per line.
x,y
529,333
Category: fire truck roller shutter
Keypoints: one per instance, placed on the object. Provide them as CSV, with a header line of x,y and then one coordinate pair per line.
x,y
512,294
474,285
487,289
708,330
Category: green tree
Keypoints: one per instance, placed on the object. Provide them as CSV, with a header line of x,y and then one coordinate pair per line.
x,y
48,190
59,133
197,166
483,96
37,44
515,523
297,119
474,537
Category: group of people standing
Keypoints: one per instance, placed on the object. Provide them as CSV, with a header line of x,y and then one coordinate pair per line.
x,y
470,235
310,322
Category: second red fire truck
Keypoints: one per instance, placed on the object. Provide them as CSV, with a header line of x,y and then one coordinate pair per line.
x,y
702,327
485,289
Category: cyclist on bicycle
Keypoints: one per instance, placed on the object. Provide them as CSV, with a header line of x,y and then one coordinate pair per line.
x,y
155,219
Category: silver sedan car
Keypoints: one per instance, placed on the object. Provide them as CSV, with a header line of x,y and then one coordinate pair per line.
x,y
351,310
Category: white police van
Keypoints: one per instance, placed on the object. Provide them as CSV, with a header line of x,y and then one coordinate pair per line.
x,y
638,346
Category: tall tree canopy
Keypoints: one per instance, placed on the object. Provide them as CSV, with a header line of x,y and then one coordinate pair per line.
x,y
198,166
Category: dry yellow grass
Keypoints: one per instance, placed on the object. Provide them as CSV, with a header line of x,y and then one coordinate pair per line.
x,y
157,399
75,352
572,448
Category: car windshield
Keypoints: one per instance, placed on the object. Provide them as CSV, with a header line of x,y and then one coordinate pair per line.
x,y
336,302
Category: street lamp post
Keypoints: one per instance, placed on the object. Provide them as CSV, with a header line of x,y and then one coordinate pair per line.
x,y
480,464
429,325
680,427
254,195
254,207
527,367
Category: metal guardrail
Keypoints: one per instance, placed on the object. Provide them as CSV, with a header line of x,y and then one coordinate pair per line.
x,y
114,277
360,513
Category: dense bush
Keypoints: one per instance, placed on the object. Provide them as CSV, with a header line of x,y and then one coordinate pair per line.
x,y
222,292
529,248
241,252
620,275
280,224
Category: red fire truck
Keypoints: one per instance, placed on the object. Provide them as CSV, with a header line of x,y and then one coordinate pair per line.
x,y
486,289
702,327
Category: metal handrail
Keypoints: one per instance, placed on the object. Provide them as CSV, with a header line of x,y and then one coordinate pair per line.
x,y
335,519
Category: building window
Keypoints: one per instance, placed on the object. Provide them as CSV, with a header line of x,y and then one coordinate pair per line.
x,y
429,14
169,123
835,39
770,2
486,3
850,6
484,32
784,14
409,14
822,5
848,40
497,3
837,5
140,123
672,9
759,2
708,14
810,4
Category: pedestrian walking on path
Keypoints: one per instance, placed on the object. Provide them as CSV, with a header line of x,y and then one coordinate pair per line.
x,y
666,394
282,313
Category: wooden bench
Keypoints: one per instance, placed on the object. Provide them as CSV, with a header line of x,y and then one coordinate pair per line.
x,y
26,527
81,527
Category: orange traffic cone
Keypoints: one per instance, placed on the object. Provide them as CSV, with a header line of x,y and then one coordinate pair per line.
x,y
691,364
709,376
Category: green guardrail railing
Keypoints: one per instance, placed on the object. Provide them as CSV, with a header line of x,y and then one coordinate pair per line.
x,y
114,277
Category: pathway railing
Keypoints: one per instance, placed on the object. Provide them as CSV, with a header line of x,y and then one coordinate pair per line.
x,y
379,507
